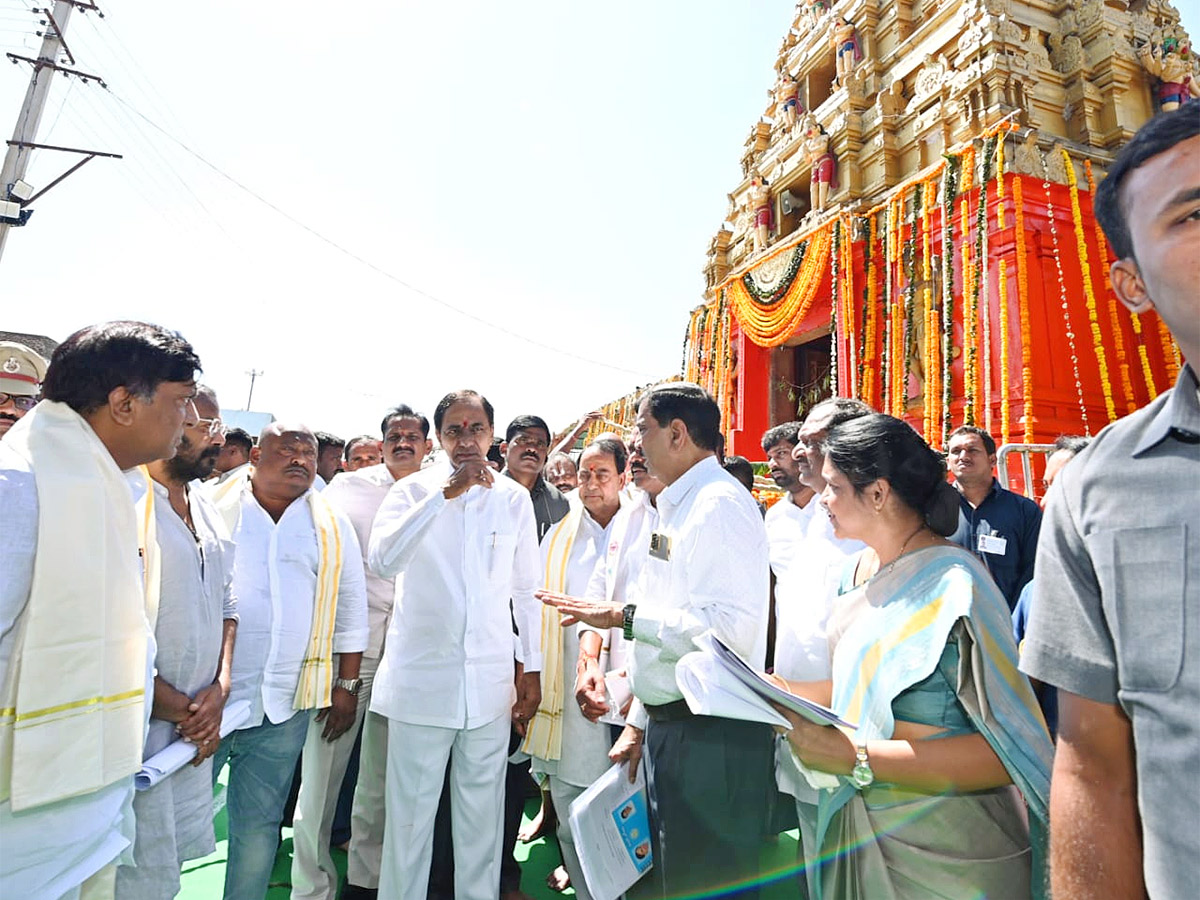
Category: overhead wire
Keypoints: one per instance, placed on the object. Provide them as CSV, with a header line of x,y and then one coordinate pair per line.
x,y
495,326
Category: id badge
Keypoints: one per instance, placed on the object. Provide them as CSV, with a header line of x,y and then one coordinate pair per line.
x,y
992,543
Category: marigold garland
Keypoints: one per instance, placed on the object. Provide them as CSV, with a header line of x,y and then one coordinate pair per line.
x,y
871,318
970,297
885,378
771,326
1089,294
1005,390
949,190
1023,309
929,388
900,327
1051,217
834,303
851,334
1114,323
1170,352
910,298
981,277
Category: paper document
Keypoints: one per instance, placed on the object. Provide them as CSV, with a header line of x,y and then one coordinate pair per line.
x,y
610,822
618,694
711,678
178,754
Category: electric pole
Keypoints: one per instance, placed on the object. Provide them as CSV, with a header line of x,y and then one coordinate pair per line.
x,y
14,193
253,373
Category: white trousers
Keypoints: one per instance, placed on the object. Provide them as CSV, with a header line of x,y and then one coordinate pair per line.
x,y
564,795
322,768
367,816
416,768
806,814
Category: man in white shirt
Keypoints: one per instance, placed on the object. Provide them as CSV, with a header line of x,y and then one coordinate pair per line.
x,y
357,494
571,750
116,396
303,626
804,598
460,542
194,632
709,779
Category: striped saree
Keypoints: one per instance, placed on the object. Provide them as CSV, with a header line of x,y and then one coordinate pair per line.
x,y
888,842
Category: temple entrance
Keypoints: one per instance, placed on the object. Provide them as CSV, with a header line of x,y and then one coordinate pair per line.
x,y
802,379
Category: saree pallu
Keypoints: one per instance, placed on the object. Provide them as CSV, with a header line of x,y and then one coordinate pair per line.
x,y
887,842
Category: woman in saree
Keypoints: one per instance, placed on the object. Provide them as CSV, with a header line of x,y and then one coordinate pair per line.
x,y
942,786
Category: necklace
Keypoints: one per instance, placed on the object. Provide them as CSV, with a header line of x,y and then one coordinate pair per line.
x,y
903,547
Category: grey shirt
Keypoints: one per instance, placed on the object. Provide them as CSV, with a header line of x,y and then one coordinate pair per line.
x,y
1115,615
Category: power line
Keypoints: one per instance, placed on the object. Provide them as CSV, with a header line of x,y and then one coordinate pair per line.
x,y
372,266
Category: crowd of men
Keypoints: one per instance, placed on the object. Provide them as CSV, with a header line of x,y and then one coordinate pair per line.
x,y
396,610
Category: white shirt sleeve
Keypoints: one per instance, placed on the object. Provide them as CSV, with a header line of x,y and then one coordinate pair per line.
x,y
403,518
527,577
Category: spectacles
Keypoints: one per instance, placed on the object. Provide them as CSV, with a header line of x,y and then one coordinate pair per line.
x,y
214,426
23,402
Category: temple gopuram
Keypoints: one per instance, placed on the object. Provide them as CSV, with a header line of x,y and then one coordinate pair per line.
x,y
914,225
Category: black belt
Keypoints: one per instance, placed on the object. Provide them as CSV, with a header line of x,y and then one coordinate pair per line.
x,y
676,711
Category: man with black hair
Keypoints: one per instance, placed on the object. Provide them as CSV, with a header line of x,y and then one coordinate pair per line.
x,y
466,541
710,779
1115,617
998,526
329,456
76,587
562,472
358,495
235,452
194,635
526,443
361,451
302,629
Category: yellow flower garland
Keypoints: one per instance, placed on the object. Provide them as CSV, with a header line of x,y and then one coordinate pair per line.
x,y
1005,390
1023,309
1088,293
1170,352
871,313
771,326
1114,323
970,311
928,358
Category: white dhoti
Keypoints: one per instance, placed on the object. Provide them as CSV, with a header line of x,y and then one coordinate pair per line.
x,y
416,768
323,767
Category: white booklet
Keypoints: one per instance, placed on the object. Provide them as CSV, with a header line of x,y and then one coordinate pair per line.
x,y
715,681
176,755
610,822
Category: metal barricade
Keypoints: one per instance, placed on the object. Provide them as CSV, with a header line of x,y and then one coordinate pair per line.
x,y
1026,452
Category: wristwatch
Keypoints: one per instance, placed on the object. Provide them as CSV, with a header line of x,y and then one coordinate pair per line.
x,y
348,684
627,620
861,774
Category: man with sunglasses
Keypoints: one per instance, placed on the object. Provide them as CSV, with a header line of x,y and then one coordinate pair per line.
x,y
21,374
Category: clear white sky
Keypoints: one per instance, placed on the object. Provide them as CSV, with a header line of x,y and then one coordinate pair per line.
x,y
552,166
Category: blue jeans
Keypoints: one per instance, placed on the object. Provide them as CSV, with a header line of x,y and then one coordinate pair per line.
x,y
261,761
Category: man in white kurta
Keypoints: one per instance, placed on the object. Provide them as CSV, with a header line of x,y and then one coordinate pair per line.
x,y
73,448
574,550
194,633
460,542
358,495
287,540
805,590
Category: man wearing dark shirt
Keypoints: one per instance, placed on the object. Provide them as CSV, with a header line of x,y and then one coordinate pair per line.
x,y
998,526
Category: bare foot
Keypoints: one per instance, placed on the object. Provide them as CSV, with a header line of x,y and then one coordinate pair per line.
x,y
544,821
558,880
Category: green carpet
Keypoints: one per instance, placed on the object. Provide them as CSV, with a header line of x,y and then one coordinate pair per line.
x,y
204,879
